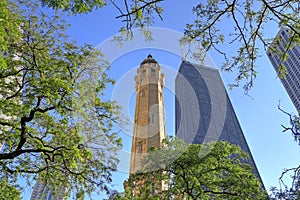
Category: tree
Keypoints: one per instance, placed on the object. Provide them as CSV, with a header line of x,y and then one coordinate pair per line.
x,y
134,13
244,31
8,191
289,191
238,23
55,125
294,126
197,171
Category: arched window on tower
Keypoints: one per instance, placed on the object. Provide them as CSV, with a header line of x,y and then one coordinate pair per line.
x,y
143,93
152,71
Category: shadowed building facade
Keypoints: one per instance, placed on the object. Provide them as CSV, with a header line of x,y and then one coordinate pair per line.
x,y
203,111
149,120
291,82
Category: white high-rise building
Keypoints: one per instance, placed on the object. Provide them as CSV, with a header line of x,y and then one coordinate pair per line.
x,y
42,192
292,81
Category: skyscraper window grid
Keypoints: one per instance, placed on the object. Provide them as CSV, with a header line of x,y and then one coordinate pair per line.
x,y
292,64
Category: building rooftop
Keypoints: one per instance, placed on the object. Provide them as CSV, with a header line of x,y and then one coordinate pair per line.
x,y
149,59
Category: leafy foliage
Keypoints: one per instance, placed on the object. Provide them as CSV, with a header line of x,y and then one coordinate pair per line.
x,y
213,171
74,6
135,13
237,23
9,22
8,191
244,31
54,124
139,13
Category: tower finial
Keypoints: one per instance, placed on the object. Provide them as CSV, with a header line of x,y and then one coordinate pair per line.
x,y
149,59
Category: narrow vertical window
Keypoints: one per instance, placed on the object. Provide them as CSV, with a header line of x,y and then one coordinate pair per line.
x,y
140,147
152,118
143,93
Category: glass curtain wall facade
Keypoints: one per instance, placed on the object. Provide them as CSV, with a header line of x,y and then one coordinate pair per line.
x,y
203,111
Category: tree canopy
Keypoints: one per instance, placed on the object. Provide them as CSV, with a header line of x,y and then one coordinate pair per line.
x,y
246,21
241,24
287,191
244,32
55,125
9,192
134,13
215,170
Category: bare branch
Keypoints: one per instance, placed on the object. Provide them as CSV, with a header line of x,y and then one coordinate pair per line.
x,y
129,13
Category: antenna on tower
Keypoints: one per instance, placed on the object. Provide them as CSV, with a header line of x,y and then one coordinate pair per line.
x,y
182,53
201,57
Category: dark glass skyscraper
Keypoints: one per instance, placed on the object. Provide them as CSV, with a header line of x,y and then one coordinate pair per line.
x,y
292,81
203,109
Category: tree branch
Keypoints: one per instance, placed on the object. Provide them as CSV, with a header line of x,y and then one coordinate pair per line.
x,y
135,10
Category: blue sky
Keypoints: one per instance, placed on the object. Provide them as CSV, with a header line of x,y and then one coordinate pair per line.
x,y
259,117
